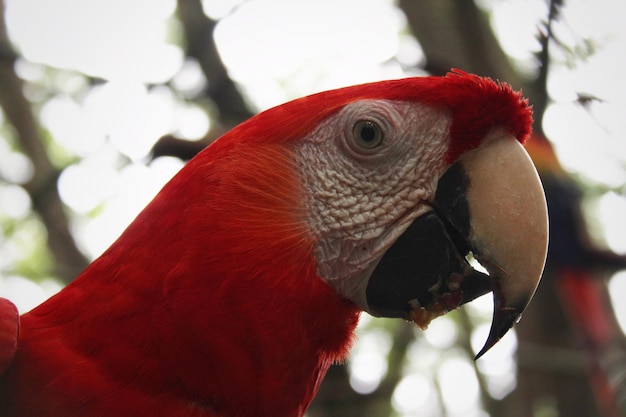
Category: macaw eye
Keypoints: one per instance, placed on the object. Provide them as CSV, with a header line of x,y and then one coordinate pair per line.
x,y
367,134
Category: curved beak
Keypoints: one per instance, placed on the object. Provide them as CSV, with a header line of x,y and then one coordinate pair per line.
x,y
509,227
490,203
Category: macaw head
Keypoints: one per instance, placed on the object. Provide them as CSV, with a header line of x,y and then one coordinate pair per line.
x,y
379,190
402,180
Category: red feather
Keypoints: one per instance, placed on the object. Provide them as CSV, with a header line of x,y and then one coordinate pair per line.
x,y
9,327
476,105
209,303
211,293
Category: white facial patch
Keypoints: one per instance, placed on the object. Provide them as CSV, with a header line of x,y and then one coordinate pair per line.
x,y
368,171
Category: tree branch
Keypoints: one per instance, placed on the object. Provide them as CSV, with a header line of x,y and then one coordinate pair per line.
x,y
42,186
457,33
199,28
221,89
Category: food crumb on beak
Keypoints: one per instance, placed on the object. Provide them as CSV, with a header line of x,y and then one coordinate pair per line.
x,y
423,315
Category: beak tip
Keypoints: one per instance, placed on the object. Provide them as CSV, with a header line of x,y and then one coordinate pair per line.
x,y
509,228
503,320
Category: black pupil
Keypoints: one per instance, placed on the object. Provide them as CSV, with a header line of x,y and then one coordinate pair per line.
x,y
368,132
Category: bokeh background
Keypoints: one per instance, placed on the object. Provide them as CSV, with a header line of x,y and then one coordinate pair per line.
x,y
103,101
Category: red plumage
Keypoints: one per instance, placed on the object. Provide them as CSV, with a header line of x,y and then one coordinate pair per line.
x,y
476,105
210,303
189,284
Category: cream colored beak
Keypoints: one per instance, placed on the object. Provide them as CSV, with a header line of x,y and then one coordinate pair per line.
x,y
508,226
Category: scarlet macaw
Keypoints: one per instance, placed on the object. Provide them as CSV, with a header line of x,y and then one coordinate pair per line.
x,y
242,281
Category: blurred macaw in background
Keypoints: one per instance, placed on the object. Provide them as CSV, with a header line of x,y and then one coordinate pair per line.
x,y
581,349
